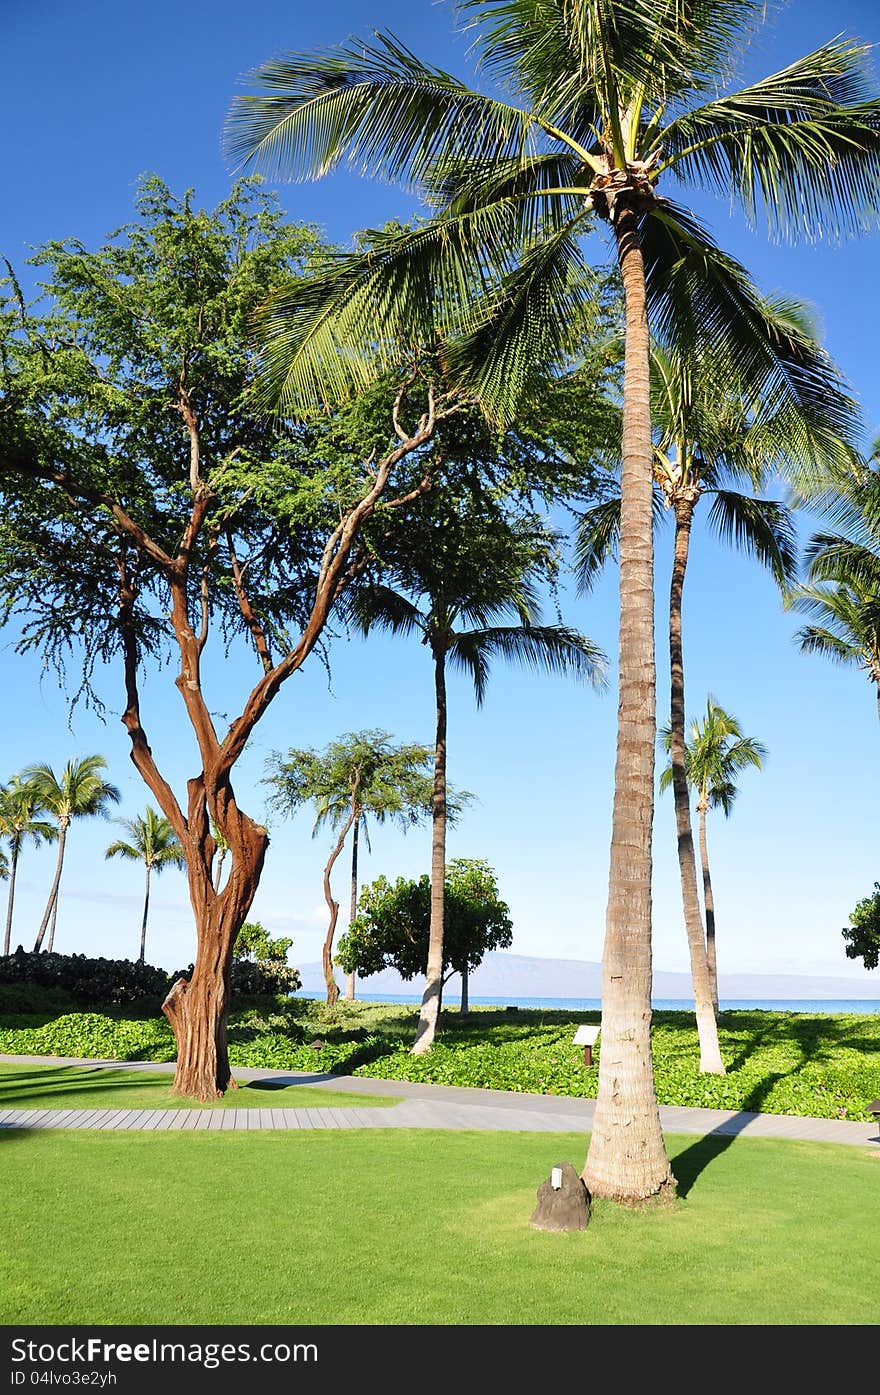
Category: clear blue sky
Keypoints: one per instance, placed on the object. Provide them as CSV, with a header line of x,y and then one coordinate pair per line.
x,y
96,93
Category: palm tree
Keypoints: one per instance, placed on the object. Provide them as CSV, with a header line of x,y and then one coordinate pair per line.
x,y
359,775
716,753
458,566
20,809
79,792
154,843
712,432
615,95
844,591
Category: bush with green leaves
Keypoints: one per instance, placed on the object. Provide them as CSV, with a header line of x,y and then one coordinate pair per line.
x,y
87,981
862,935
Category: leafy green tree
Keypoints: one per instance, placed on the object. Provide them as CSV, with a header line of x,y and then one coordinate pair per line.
x,y
393,927
464,561
152,841
603,101
715,755
79,792
20,822
714,436
360,776
254,942
862,935
148,507
843,592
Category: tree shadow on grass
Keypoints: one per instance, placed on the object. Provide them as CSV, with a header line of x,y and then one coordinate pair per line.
x,y
693,1160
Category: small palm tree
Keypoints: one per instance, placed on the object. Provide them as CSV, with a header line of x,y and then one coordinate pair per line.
x,y
154,843
20,821
716,753
843,596
458,567
79,792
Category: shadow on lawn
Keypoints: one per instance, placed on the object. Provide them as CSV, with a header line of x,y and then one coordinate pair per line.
x,y
43,1086
688,1165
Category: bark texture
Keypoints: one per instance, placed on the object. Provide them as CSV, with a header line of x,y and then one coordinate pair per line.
x,y
14,850
333,907
709,903
707,1027
53,894
627,1158
431,999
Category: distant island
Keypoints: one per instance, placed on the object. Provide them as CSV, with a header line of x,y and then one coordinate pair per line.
x,y
513,976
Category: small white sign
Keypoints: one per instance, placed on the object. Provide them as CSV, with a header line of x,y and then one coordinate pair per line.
x,y
556,1178
586,1036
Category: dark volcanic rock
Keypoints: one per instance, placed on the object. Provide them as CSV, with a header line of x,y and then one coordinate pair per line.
x,y
562,1208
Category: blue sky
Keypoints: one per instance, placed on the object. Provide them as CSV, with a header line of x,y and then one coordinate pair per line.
x,y
96,94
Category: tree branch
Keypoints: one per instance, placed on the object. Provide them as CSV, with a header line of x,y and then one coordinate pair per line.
x,y
257,632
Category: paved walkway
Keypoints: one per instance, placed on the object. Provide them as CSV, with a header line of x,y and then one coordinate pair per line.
x,y
421,1107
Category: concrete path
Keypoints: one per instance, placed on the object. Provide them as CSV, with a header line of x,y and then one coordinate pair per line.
x,y
421,1107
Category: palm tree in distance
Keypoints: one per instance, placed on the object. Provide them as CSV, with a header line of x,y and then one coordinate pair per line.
x,y
843,592
20,821
360,776
79,792
715,755
614,96
153,842
457,567
712,433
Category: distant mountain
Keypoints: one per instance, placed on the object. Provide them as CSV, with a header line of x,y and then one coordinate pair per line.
x,y
514,976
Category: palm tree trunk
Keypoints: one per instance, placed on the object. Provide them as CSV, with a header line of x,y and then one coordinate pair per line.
x,y
465,1005
709,901
333,907
707,1027
144,921
51,942
15,849
350,980
627,1158
431,998
218,871
62,838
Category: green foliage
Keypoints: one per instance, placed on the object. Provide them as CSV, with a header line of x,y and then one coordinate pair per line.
x,y
255,943
393,924
862,935
715,755
151,840
87,981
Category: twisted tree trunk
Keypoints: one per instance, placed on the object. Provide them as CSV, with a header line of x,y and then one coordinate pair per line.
x,y
333,907
627,1157
704,1006
709,902
432,997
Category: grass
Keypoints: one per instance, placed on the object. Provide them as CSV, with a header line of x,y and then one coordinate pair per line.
x,y
778,1062
369,1227
96,1087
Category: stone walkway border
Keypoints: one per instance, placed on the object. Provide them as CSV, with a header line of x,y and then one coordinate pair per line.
x,y
421,1107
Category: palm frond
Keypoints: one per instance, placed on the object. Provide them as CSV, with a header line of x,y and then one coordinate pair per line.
x,y
762,527
375,107
375,606
802,144
598,535
542,648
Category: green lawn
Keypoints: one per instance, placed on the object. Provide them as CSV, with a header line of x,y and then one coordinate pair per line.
x,y
374,1227
96,1087
778,1062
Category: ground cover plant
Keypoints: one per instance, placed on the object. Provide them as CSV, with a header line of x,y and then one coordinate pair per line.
x,y
94,1087
740,1247
822,1066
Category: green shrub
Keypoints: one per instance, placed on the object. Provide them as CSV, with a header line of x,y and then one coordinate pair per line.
x,y
89,982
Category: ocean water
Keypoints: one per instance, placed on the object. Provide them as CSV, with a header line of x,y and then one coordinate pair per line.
x,y
808,1005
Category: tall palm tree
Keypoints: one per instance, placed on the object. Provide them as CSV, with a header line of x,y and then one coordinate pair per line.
x,y
153,842
360,776
458,567
843,594
716,753
20,821
713,432
79,792
614,96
